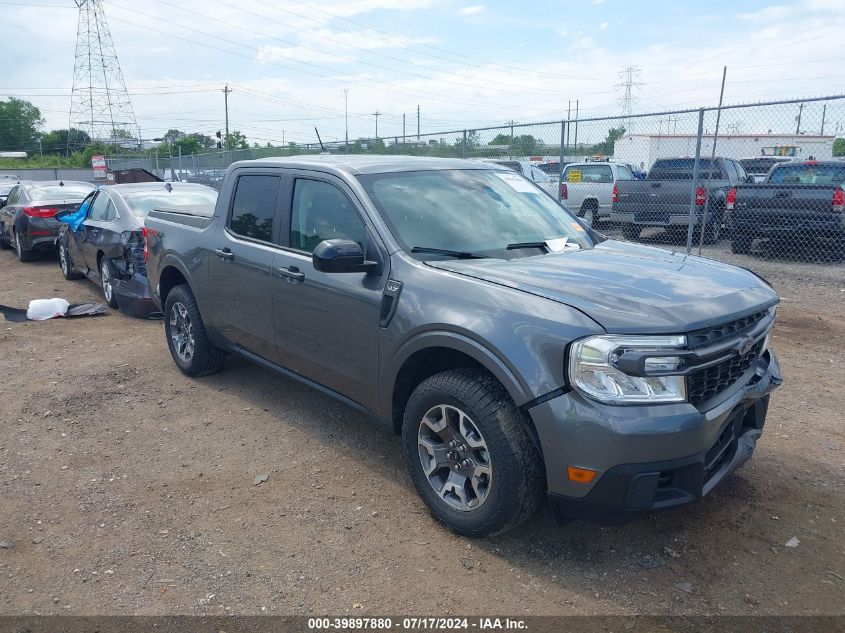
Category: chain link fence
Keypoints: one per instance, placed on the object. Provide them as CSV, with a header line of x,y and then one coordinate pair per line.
x,y
739,183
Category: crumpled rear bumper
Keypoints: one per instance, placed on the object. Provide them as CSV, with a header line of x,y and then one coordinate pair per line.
x,y
135,298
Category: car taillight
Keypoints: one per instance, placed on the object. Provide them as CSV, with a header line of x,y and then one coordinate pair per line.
x,y
839,200
730,199
146,234
700,196
614,197
40,212
564,192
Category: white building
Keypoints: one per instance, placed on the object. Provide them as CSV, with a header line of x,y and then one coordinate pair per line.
x,y
641,150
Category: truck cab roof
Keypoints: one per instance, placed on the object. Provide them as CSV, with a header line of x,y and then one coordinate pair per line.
x,y
366,164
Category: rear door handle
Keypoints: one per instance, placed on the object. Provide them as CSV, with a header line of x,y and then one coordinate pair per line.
x,y
292,272
225,255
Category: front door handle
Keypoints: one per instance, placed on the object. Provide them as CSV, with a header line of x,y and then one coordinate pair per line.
x,y
225,254
292,272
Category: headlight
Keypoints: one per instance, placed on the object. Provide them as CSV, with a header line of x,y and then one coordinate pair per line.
x,y
592,369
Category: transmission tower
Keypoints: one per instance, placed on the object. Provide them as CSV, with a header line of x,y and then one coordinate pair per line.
x,y
627,85
99,103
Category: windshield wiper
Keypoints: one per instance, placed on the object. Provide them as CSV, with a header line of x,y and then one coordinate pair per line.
x,y
446,251
517,245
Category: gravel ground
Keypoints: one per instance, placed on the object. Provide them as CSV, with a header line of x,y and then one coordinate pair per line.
x,y
128,488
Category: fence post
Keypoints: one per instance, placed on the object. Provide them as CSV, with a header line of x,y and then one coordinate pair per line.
x,y
560,164
395,144
464,146
180,163
695,168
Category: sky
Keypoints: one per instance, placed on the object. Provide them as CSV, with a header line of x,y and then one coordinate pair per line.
x,y
465,63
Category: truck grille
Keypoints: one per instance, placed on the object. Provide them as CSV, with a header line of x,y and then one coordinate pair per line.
x,y
708,382
714,335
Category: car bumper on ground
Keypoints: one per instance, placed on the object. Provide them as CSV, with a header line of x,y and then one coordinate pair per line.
x,y
648,457
135,298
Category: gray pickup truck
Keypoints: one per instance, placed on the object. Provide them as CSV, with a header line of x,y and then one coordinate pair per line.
x,y
516,351
663,198
797,200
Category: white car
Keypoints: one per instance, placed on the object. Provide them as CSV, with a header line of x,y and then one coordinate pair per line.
x,y
532,171
589,188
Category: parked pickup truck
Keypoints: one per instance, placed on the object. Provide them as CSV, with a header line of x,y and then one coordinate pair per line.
x,y
663,198
590,188
517,352
797,200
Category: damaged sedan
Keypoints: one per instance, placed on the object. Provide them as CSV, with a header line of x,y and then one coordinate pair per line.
x,y
103,239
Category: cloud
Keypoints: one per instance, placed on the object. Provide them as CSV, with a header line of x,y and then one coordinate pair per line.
x,y
602,26
325,45
474,9
598,2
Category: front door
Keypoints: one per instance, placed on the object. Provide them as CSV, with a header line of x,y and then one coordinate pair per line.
x,y
240,266
327,324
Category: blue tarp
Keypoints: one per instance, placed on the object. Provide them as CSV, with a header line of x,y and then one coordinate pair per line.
x,y
74,220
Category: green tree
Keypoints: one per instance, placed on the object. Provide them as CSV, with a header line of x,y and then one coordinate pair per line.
x,y
525,145
606,146
501,139
64,142
20,122
236,140
839,147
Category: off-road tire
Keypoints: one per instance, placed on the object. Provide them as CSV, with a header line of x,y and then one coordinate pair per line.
x,y
518,480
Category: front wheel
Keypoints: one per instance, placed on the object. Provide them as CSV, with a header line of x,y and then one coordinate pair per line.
x,y
469,453
189,345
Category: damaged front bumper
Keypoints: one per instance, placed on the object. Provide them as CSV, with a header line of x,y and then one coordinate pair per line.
x,y
648,457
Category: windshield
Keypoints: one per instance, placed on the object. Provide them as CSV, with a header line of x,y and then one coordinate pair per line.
x,y
196,200
60,192
804,174
471,211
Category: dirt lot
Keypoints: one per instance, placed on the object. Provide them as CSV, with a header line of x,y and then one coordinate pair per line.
x,y
129,488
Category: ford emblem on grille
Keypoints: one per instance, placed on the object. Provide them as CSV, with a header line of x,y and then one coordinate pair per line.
x,y
745,346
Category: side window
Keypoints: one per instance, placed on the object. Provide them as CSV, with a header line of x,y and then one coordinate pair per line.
x,y
13,196
254,207
100,207
624,173
321,211
740,172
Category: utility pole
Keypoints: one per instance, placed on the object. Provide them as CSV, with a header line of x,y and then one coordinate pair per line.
x,y
403,127
226,92
377,114
824,112
800,110
418,123
346,117
575,142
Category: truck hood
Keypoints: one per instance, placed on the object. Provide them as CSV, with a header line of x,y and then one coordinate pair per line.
x,y
630,288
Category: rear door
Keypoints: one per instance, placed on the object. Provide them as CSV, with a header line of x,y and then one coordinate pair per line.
x,y
327,324
241,262
75,239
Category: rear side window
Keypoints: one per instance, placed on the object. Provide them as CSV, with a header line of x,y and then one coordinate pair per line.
x,y
683,168
588,173
100,208
320,212
804,174
254,207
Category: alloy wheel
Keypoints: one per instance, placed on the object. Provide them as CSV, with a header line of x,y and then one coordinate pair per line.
x,y
181,332
454,457
105,277
63,260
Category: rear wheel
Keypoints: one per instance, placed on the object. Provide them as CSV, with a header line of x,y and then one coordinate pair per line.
x,y
469,454
631,231
23,255
713,230
588,213
66,263
107,279
741,244
4,242
189,345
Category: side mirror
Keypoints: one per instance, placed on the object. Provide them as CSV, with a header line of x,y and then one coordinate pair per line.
x,y
340,256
